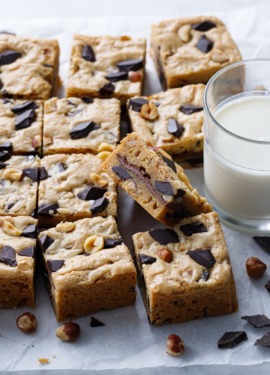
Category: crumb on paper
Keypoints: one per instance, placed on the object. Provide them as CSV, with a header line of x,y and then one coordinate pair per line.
x,y
44,361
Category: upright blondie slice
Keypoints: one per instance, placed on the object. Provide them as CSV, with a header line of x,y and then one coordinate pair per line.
x,y
17,261
28,67
106,66
191,50
185,272
154,181
89,267
73,187
80,125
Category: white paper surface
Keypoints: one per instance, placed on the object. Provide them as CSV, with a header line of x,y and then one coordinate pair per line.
x,y
128,344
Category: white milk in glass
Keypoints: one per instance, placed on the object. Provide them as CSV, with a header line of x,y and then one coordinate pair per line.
x,y
237,170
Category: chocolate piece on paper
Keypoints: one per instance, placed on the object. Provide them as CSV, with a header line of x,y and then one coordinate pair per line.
x,y
258,321
263,242
264,340
231,339
96,323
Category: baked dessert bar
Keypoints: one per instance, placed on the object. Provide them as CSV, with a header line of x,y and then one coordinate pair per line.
x,y
80,125
21,126
73,187
106,66
185,272
19,184
89,267
28,67
17,261
154,181
190,50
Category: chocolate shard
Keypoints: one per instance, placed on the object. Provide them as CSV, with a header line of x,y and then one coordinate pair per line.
x,y
110,243
169,162
28,252
3,165
91,192
263,242
32,173
257,321
164,187
6,146
7,32
47,209
121,173
25,119
9,56
4,156
99,205
107,89
264,340
30,231
8,256
43,174
83,129
189,109
204,26
205,274
267,286
146,259
174,128
204,44
130,65
204,257
19,108
55,264
88,53
87,100
118,76
191,228
164,236
231,339
45,242
61,167
96,323
137,103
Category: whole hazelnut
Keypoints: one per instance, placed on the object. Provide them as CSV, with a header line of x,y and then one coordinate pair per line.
x,y
175,345
166,255
255,267
149,111
134,76
68,332
27,322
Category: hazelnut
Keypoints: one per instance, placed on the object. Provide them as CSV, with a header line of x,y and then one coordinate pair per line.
x,y
166,255
175,345
68,332
27,322
134,76
255,267
12,174
105,147
36,141
104,154
98,180
93,244
219,56
149,111
65,227
10,229
184,33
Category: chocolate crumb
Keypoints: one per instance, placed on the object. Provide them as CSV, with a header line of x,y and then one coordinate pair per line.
x,y
96,323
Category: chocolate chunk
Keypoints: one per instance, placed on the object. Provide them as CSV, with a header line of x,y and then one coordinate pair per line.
x,y
263,242
146,259
128,65
43,174
83,129
91,192
205,274
19,108
204,257
118,76
8,256
188,109
191,228
164,236
3,165
28,252
71,103
30,231
6,94
169,162
7,32
203,26
55,264
137,103
267,286
25,119
45,242
264,340
88,53
87,100
195,161
9,56
99,205
258,321
10,205
96,323
175,128
107,89
6,146
4,156
32,173
121,173
1,86
109,243
204,44
164,187
231,339
61,167
47,209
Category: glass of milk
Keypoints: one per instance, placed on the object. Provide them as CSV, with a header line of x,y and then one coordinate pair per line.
x,y
237,144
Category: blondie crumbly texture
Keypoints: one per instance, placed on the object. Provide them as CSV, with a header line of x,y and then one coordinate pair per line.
x,y
191,50
74,187
19,184
106,66
28,67
171,120
185,285
73,125
21,126
89,267
17,261
154,181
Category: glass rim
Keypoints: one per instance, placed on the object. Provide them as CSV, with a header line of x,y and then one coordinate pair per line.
x,y
213,79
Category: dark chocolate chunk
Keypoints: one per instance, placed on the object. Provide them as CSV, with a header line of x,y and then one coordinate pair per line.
x,y
121,173
4,156
28,252
109,243
87,100
188,109
175,128
203,26
258,321
118,76
19,108
30,231
96,323
55,264
43,174
83,129
164,236
32,173
180,193
146,259
10,205
7,32
3,165
6,146
264,340
99,205
204,44
48,65
71,103
204,257
107,89
61,167
164,187
9,56
6,94
137,103
128,65
267,286
91,192
231,339
45,242
205,274
88,53
191,228
169,162
25,119
47,209
1,86
263,242
8,256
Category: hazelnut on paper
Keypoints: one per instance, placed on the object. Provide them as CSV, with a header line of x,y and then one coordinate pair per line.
x,y
68,332
27,322
255,268
175,345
